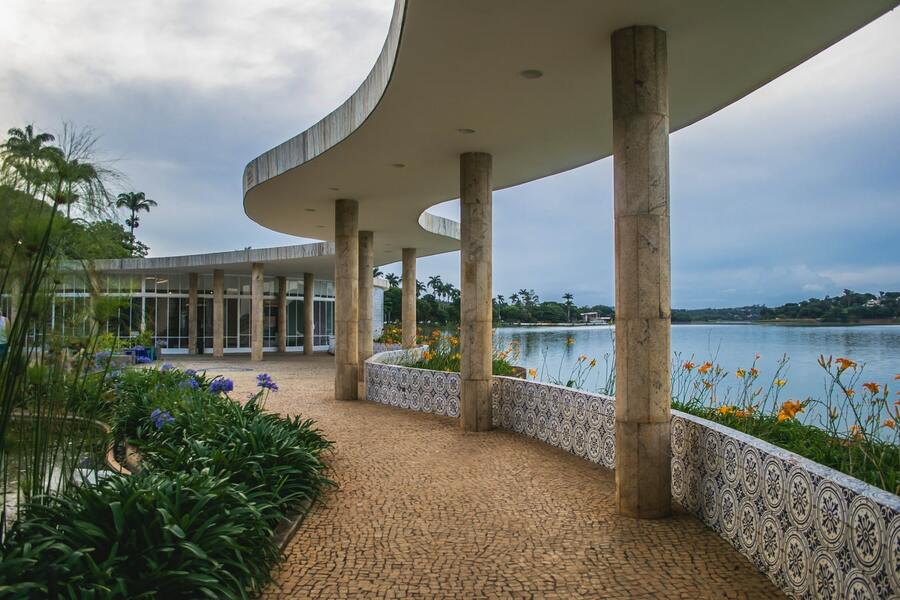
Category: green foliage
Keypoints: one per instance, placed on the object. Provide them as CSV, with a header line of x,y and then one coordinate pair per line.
x,y
157,534
442,354
850,307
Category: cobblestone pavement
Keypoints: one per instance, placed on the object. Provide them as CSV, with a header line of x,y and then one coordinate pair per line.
x,y
427,511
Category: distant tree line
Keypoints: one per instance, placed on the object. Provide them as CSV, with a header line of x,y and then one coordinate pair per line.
x,y
849,307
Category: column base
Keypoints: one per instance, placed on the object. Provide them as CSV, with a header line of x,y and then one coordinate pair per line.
x,y
346,382
475,406
643,470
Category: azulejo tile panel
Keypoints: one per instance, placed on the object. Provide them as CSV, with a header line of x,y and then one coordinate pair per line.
x,y
815,532
578,422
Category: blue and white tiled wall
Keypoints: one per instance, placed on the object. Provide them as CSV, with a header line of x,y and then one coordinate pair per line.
x,y
815,532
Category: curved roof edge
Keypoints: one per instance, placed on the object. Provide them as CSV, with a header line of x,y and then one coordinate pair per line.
x,y
337,125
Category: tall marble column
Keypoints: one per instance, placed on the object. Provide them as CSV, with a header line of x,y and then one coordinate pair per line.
x,y
366,299
346,299
643,319
256,311
218,312
409,298
476,347
309,323
282,314
192,313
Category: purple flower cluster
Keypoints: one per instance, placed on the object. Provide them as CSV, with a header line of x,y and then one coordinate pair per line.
x,y
167,367
220,384
189,383
264,380
143,360
190,372
161,418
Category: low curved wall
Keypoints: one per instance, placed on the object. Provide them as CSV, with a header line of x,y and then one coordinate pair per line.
x,y
813,531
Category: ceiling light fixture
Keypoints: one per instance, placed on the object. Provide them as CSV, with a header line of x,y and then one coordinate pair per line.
x,y
309,209
465,130
531,74
398,165
334,189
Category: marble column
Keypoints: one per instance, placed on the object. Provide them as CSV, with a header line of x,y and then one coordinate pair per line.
x,y
218,312
309,323
476,347
643,319
282,314
409,298
346,299
256,311
192,313
366,299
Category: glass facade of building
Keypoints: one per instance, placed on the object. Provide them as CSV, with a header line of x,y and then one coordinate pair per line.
x,y
160,304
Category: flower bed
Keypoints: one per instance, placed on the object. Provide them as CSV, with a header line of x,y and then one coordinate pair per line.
x,y
813,531
217,478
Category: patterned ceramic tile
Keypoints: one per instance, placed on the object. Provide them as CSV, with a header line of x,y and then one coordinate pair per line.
x,y
815,532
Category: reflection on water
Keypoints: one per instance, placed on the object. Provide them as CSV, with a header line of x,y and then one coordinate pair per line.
x,y
732,346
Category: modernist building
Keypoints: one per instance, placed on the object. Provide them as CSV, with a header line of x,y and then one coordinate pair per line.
x,y
472,96
214,303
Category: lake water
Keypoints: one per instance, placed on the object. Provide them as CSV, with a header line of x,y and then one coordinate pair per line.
x,y
732,346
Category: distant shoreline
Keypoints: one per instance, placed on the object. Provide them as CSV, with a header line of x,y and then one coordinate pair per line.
x,y
786,322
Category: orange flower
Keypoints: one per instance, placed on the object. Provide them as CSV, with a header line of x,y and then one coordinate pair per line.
x,y
889,423
689,366
583,357
754,372
857,432
789,410
780,383
704,368
844,364
724,410
740,373
427,355
872,387
707,384
533,373
850,393
897,377
593,362
570,341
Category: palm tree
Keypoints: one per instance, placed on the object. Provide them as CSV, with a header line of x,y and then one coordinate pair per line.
x,y
568,297
514,298
452,292
501,301
436,285
135,202
392,280
73,180
420,287
23,154
376,272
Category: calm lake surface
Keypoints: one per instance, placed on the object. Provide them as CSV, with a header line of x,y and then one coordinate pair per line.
x,y
732,346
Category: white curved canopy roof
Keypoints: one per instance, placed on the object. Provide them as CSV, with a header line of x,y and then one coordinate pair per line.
x,y
451,66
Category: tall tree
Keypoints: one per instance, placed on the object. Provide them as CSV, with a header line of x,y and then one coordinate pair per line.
x,y
436,285
420,287
134,202
24,153
568,297
376,272
393,280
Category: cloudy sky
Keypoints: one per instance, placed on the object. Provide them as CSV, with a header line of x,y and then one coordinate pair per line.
x,y
792,192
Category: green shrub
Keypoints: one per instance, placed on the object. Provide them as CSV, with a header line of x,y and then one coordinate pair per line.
x,y
442,354
157,534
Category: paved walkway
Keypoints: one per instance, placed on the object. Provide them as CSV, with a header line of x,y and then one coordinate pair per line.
x,y
427,511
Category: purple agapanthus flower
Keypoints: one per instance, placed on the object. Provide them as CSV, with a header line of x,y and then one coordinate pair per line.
x,y
189,383
167,367
221,384
143,360
161,418
190,372
264,380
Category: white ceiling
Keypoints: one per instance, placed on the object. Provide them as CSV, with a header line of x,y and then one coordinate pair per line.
x,y
457,66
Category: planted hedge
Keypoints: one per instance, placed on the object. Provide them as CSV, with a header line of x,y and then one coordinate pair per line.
x,y
198,520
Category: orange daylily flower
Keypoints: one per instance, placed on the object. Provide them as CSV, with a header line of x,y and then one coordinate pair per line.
x,y
844,364
593,362
740,373
570,341
724,410
789,410
780,383
754,372
704,368
689,366
889,423
533,373
872,387
707,384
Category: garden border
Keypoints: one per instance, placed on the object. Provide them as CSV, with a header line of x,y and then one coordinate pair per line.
x,y
814,531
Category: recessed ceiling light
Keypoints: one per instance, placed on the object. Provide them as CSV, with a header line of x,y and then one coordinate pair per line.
x,y
398,165
465,131
531,74
309,209
320,226
334,189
